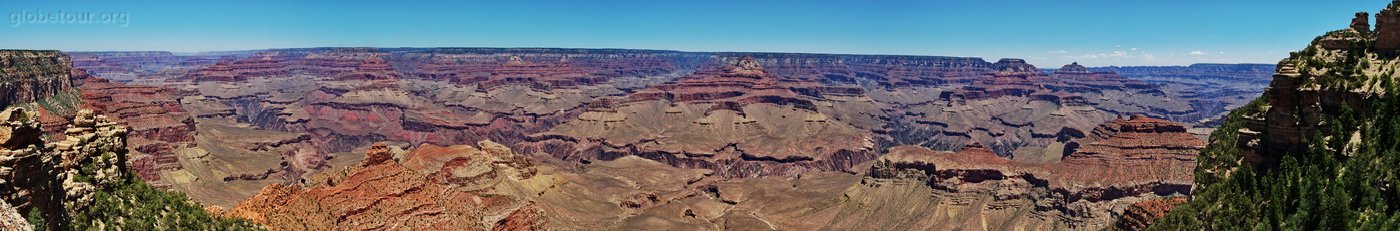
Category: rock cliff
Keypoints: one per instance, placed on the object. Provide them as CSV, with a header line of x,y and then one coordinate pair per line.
x,y
1322,138
28,76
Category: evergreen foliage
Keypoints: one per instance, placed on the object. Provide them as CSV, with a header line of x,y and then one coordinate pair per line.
x,y
1338,183
135,205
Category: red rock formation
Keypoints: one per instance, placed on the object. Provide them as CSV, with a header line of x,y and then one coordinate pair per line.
x,y
743,83
1361,23
1144,213
737,119
33,75
1388,27
1123,162
529,217
556,68
157,122
372,68
423,190
261,64
1072,68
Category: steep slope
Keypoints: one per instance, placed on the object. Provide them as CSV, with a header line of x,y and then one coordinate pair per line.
x,y
30,76
1319,151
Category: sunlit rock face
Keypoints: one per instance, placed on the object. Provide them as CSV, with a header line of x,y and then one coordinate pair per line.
x,y
58,176
728,127
32,75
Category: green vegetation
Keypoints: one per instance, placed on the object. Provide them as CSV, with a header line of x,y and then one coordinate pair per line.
x,y
130,204
127,203
1347,179
135,205
36,219
64,103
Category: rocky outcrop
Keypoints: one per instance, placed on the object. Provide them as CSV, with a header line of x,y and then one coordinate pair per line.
x,y
1388,27
1072,68
1144,213
430,187
261,64
1010,66
94,148
59,177
30,176
1361,23
1304,93
10,219
1021,112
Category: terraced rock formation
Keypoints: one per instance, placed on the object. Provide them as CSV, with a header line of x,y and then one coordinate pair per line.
x,y
735,119
158,124
913,188
1122,163
143,66
431,187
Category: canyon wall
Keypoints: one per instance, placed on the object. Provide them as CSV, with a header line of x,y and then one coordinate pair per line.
x,y
29,76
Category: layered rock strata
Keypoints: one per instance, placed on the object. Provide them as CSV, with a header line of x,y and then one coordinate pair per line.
x,y
736,119
1144,213
1123,162
28,76
430,187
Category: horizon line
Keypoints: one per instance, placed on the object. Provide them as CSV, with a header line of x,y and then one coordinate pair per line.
x,y
984,59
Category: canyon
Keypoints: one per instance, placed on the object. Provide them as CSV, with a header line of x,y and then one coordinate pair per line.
x,y
537,138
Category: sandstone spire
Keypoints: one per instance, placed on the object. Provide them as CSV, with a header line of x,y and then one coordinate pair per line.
x,y
1388,27
1361,23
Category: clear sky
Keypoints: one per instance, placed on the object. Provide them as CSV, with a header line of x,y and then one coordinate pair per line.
x,y
1046,33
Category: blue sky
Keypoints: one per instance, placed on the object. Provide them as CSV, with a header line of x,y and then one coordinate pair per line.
x,y
1046,33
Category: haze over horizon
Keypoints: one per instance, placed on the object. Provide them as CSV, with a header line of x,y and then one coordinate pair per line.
x,y
1046,34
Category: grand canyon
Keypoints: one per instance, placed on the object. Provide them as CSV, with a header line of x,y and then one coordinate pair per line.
x,y
475,138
